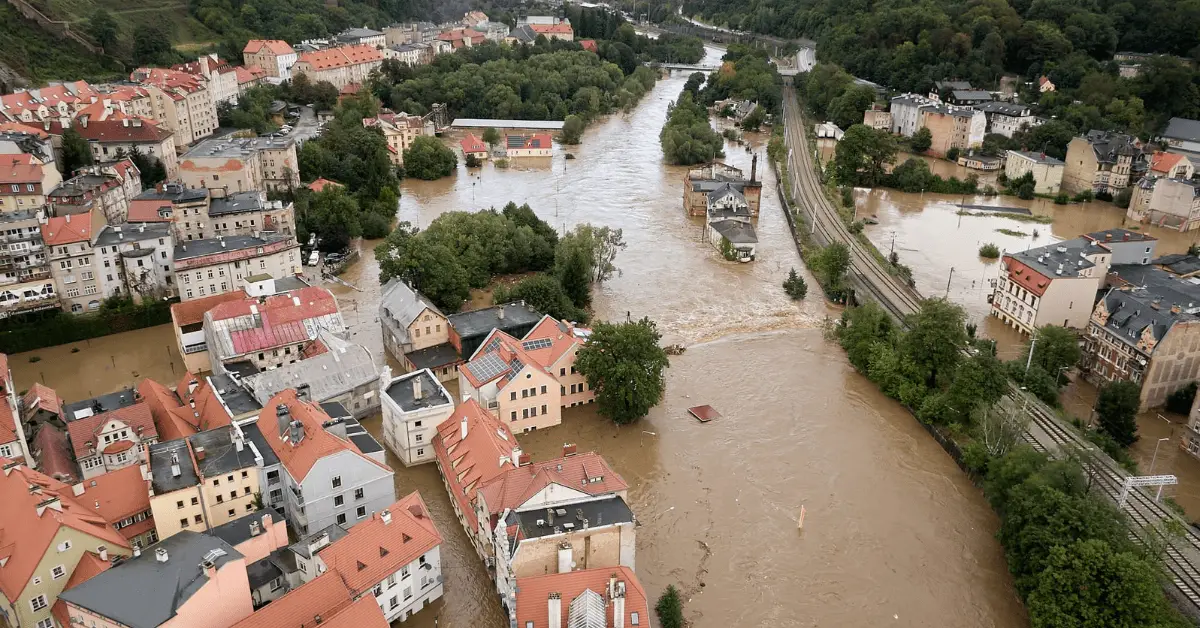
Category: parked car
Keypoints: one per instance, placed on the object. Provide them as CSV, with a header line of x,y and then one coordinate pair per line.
x,y
314,258
334,258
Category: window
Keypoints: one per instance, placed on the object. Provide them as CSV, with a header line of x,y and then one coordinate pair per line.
x,y
358,493
404,572
232,513
420,452
338,500
337,481
514,415
634,620
245,474
183,523
420,438
407,593
341,518
46,623
524,393
217,481
245,490
36,581
179,504
543,409
416,424
220,499
38,603
360,513
512,396
57,572
543,391
195,501
197,518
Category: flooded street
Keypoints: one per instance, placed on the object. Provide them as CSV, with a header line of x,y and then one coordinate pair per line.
x,y
895,534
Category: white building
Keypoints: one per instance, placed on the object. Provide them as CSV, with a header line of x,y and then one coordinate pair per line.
x,y
414,404
906,114
218,265
136,260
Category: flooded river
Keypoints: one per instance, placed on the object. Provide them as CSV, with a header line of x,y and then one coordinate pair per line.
x,y
895,535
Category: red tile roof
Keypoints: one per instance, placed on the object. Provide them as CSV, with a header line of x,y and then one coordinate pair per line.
x,y
147,210
22,127
561,28
456,36
321,184
20,168
1164,162
283,318
173,413
538,140
276,46
534,592
472,144
299,459
299,608
516,486
53,454
87,430
374,549
8,422
43,397
468,463
364,613
35,507
249,74
1025,276
117,495
341,56
169,80
350,89
192,312
588,44
122,128
563,336
68,229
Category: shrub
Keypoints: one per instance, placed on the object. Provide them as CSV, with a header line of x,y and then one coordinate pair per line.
x,y
1104,196
848,196
989,251
952,154
795,286
1123,197
1062,198
1180,401
1084,196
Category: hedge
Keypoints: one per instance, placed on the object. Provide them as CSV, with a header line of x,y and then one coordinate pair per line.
x,y
38,331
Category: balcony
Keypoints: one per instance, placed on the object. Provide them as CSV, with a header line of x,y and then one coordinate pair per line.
x,y
190,349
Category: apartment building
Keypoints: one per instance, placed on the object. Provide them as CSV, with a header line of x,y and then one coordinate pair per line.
x,y
245,213
325,600
327,480
361,37
24,182
416,333
257,334
1102,162
906,113
217,265
340,372
18,138
68,240
121,498
340,66
605,597
274,56
393,558
1007,118
953,127
191,579
878,118
14,443
121,135
187,318
1171,166
218,75
47,533
228,165
1182,134
105,187
180,101
1054,284
414,404
1166,203
469,330
22,251
52,101
399,129
136,260
1047,171
410,33
173,203
107,441
463,38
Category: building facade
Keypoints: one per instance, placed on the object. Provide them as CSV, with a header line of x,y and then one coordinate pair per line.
x,y
1101,162
1047,171
136,260
69,244
219,265
273,56
340,66
230,165
414,404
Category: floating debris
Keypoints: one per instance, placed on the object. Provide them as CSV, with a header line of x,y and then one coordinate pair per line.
x,y
704,414
674,349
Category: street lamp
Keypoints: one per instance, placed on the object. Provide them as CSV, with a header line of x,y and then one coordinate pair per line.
x,y
1155,457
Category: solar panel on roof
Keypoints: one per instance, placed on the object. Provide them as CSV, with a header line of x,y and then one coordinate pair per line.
x,y
488,366
539,343
492,345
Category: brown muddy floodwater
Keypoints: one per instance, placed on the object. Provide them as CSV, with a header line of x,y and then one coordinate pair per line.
x,y
895,534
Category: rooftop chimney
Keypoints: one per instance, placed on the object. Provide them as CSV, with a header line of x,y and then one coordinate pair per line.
x,y
569,449
103,552
160,555
297,434
565,560
282,418
500,314
255,528
385,516
618,601
200,453
417,392
554,608
175,470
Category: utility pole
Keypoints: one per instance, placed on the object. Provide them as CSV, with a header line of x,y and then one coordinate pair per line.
x,y
948,281
1032,344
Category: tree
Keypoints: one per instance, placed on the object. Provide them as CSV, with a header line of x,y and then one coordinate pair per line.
x,y
77,153
1056,349
935,338
1116,410
861,156
953,153
623,363
755,119
794,286
103,28
602,245
999,428
1089,583
847,109
545,294
151,45
572,132
472,161
573,267
150,167
428,158
687,138
831,264
1123,197
1180,401
670,608
491,136
921,140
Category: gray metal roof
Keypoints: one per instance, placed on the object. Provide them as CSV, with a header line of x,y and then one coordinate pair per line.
x,y
100,404
236,147
237,203
727,188
261,572
1040,158
1179,263
209,246
911,100
357,33
132,232
952,85
475,123
174,192
482,322
220,454
1003,108
1118,234
1147,302
234,395
600,512
147,591
1107,145
434,357
402,303
970,94
401,391
238,531
342,368
164,459
1183,129
736,231
1067,255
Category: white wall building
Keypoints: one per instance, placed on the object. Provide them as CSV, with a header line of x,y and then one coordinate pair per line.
x,y
414,404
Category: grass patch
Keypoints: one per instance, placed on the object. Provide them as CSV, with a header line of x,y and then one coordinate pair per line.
x,y
1012,232
1045,220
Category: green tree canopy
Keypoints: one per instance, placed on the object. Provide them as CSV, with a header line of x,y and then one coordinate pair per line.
x,y
77,153
1116,411
428,158
922,140
862,155
624,364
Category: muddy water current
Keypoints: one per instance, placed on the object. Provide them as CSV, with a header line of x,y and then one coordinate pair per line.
x,y
895,535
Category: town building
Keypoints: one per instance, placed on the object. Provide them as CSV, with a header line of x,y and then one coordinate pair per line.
x,y
1166,203
105,187
601,597
1007,118
188,320
245,213
46,533
52,101
1047,171
121,498
953,126
462,37
227,165
399,129
19,138
968,97
410,33
22,250
217,265
25,181
190,579
878,118
181,102
120,136
361,37
416,333
537,145
473,146
471,18
414,404
393,558
273,56
1171,166
700,182
14,443
469,330
1045,84
261,538
107,441
339,66
906,113
973,161
341,372
729,228
327,480
256,334
219,76
173,203
69,242
1182,135
324,601
408,54
135,260
1144,330
493,31
1054,284
945,87
1101,162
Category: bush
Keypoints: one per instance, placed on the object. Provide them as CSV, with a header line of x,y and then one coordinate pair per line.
x,y
687,138
848,196
1104,196
48,329
795,286
1180,401
374,226
989,251
921,140
1026,191
670,608
472,161
572,131
1084,196
952,154
855,227
1062,198
1123,197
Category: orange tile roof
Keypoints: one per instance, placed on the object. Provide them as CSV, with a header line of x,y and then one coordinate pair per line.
x,y
68,229
562,335
374,550
173,415
516,486
1163,162
588,44
192,312
561,28
299,608
365,613
248,74
508,349
117,495
147,210
468,463
472,144
8,423
340,57
122,128
322,183
208,412
89,566
85,432
1025,276
53,454
299,459
533,593
276,46
20,168
44,397
22,127
26,534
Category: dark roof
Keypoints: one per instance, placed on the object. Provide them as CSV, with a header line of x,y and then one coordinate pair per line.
x,y
401,391
146,591
727,188
1040,158
708,185
103,403
237,531
434,357
1003,108
289,283
132,232
242,368
335,410
174,192
600,512
261,572
200,248
234,395
482,322
361,437
1179,263
334,531
1146,300
970,94
1107,145
1183,129
1066,254
236,203
162,478
1118,234
220,455
736,231
952,85
250,431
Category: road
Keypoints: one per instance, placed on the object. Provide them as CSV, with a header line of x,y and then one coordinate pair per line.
x,y
1046,432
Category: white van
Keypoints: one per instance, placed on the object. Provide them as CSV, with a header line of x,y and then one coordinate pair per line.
x,y
313,258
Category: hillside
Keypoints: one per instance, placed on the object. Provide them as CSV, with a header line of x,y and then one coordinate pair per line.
x,y
39,56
